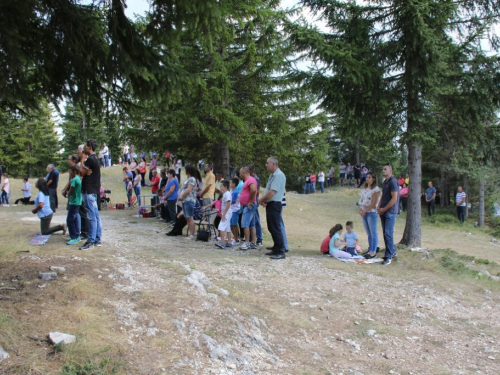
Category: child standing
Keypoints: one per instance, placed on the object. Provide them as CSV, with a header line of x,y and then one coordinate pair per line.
x,y
235,208
351,238
5,190
225,222
73,219
336,243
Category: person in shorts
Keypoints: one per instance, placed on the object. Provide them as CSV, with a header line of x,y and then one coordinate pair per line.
x,y
225,222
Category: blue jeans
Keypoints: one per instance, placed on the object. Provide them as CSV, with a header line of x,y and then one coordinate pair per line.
x,y
90,202
105,161
370,224
5,197
313,187
73,221
248,219
137,190
283,232
388,221
307,187
258,227
322,186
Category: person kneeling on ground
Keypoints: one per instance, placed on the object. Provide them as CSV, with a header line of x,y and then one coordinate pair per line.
x,y
43,210
181,222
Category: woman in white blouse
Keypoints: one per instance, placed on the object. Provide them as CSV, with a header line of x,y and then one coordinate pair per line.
x,y
368,203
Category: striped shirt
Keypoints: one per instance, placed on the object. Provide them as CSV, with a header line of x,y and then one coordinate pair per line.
x,y
460,198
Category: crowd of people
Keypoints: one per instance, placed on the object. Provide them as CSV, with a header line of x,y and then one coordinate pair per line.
x,y
236,200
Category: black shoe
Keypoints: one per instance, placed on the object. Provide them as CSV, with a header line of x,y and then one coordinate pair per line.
x,y
278,256
378,249
87,246
272,253
369,256
171,234
387,261
98,243
270,248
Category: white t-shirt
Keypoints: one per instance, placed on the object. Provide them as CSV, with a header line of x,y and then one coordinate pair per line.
x,y
321,177
178,166
125,149
27,191
225,197
105,150
6,185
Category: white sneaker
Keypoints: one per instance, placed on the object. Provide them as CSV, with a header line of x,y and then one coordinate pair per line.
x,y
190,237
245,246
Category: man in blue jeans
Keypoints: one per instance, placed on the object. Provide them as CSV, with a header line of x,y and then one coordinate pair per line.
x,y
91,183
388,211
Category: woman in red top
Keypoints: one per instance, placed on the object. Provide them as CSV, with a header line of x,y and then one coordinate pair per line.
x,y
404,196
401,180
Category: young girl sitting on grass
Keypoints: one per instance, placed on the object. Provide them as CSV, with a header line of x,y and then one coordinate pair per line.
x,y
335,243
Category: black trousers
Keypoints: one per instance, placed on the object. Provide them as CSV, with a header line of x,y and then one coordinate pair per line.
x,y
431,207
24,201
273,217
461,213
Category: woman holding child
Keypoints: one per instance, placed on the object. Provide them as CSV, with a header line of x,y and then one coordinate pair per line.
x,y
368,202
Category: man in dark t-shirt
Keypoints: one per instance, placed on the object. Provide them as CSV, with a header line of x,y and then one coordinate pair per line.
x,y
388,211
91,184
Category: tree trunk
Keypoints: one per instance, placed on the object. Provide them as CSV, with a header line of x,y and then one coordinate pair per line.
x,y
442,183
412,235
481,203
220,157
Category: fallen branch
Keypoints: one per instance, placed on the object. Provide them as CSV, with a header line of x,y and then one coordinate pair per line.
x,y
7,288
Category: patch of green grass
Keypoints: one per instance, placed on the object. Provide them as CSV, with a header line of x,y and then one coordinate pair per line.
x,y
105,367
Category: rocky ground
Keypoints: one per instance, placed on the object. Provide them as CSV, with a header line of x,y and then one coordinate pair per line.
x,y
177,306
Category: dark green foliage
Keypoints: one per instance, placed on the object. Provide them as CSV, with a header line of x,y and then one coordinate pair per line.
x,y
29,142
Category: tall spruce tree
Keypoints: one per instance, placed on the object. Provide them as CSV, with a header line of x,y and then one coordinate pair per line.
x,y
398,63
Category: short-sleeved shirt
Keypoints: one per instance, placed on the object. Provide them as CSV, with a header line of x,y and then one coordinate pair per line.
x,y
258,184
342,169
308,178
390,186
52,177
331,246
191,197
209,180
350,238
430,192
367,198
155,184
91,184
276,182
76,196
174,195
321,177
6,185
245,191
46,210
226,197
178,166
461,198
217,186
27,191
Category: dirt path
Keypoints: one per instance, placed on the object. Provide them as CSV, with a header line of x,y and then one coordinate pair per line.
x,y
175,306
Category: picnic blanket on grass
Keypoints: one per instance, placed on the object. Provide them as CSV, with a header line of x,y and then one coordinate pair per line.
x,y
39,239
360,260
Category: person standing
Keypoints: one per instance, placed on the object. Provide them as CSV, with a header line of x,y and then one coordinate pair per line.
x,y
155,186
307,184
52,181
73,220
105,151
84,219
321,180
208,193
258,226
126,155
271,200
342,170
248,200
91,184
188,198
404,196
430,198
388,210
460,201
218,179
178,166
152,167
368,210
5,190
331,176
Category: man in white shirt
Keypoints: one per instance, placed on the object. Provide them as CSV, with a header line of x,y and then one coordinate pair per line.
x,y
178,166
105,151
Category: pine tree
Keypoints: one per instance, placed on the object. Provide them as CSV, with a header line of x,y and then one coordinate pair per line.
x,y
397,63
